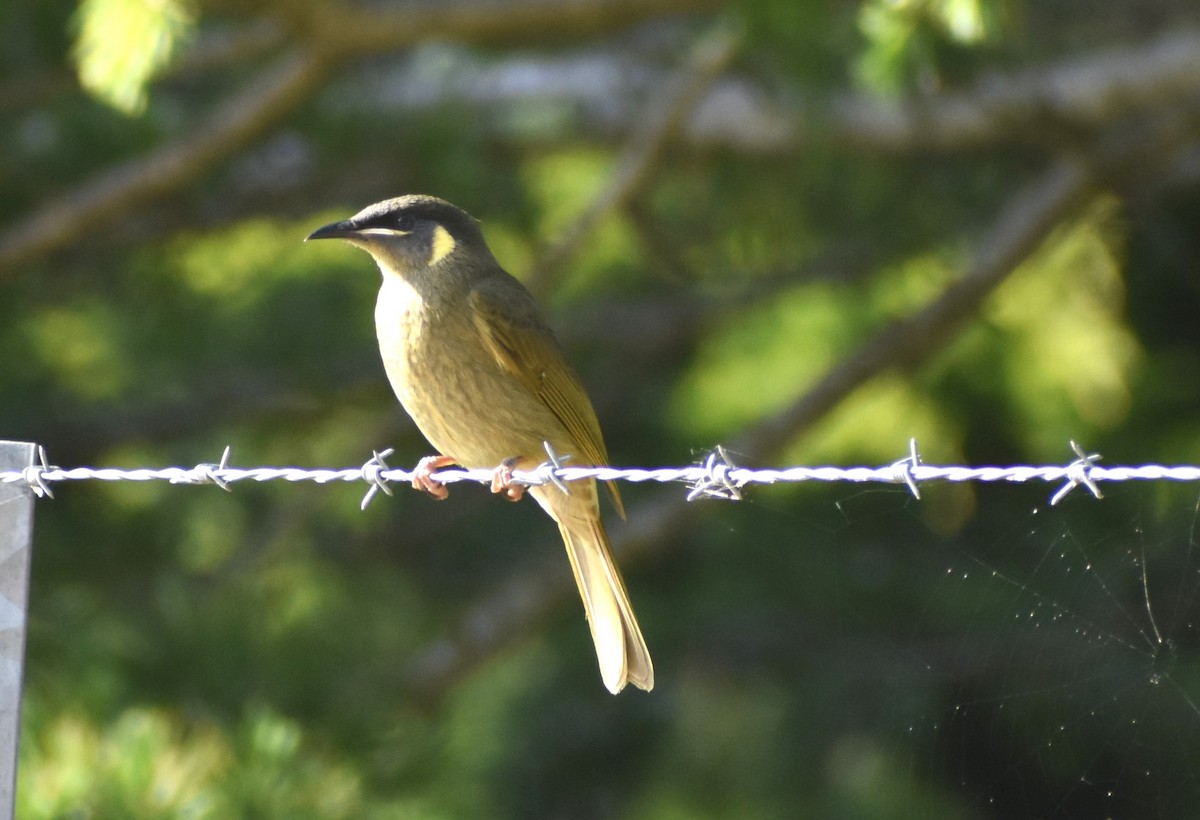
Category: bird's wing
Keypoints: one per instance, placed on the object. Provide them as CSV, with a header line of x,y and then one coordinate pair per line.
x,y
512,329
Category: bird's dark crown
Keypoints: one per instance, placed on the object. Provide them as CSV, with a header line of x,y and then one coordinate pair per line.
x,y
411,233
404,212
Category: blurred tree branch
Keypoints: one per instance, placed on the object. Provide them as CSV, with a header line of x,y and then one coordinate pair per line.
x,y
1021,226
335,34
1083,93
661,115
240,119
351,29
1033,106
1074,95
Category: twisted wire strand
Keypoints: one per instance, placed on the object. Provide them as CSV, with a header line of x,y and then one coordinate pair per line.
x,y
716,477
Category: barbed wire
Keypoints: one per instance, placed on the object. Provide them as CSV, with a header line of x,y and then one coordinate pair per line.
x,y
715,477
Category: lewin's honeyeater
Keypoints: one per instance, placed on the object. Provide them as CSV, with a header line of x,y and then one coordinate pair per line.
x,y
475,364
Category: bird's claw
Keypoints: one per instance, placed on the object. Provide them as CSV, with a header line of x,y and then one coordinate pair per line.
x,y
423,476
502,480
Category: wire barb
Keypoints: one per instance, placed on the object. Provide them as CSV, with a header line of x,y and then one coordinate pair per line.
x,y
207,473
373,472
547,471
1079,472
35,475
716,481
903,469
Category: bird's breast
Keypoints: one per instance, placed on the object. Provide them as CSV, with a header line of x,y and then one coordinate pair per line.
x,y
461,399
399,325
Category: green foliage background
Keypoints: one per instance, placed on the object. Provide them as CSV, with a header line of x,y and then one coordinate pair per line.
x,y
193,653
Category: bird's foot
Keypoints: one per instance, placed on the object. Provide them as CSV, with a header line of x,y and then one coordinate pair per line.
x,y
502,480
423,476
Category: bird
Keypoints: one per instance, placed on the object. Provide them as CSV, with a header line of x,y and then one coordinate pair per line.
x,y
473,361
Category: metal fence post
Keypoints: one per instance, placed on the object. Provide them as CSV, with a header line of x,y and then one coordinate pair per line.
x,y
16,539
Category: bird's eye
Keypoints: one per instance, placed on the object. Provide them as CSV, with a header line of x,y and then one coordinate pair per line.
x,y
404,222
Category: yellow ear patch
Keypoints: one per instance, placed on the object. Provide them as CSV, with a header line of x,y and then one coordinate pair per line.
x,y
443,245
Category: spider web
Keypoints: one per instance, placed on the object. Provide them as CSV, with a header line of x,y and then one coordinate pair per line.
x,y
1063,649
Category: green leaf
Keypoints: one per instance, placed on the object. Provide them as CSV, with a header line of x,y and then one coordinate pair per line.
x,y
123,44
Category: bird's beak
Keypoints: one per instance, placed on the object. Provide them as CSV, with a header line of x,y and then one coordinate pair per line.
x,y
338,230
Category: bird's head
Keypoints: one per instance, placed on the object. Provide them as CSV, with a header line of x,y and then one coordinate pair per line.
x,y
413,236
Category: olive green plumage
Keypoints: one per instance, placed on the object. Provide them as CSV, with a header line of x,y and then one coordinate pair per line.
x,y
472,359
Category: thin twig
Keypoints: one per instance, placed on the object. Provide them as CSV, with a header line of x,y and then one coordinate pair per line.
x,y
658,120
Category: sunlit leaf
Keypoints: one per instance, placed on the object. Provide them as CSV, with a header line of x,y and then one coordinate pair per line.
x,y
900,34
122,44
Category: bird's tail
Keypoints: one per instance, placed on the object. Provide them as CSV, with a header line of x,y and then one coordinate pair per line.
x,y
620,647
